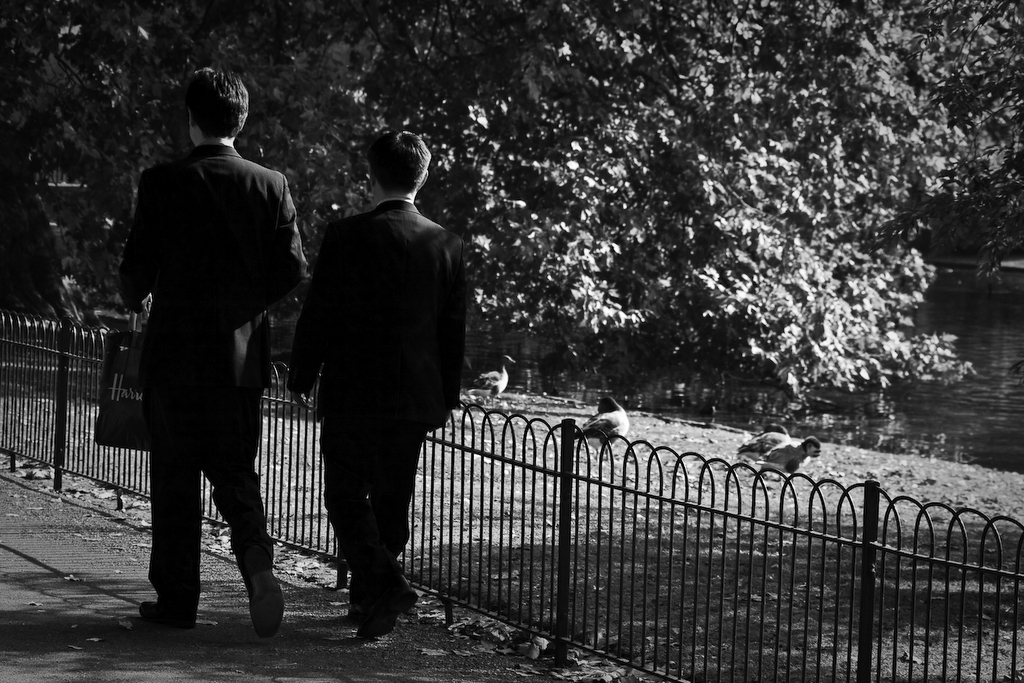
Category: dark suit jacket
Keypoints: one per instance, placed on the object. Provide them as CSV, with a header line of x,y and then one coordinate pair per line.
x,y
386,317
214,240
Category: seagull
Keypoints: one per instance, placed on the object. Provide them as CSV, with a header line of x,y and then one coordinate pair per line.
x,y
759,444
492,383
789,456
610,420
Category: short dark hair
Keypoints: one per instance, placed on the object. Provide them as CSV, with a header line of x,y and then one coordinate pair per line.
x,y
218,101
399,160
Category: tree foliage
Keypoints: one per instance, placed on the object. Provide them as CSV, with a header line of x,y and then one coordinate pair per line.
x,y
974,201
686,181
641,184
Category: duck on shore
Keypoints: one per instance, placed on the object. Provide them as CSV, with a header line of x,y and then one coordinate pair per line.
x,y
787,457
610,420
761,444
491,384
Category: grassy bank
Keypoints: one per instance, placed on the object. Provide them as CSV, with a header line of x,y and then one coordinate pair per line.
x,y
929,480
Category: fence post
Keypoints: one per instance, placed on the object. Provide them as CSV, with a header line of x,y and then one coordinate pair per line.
x,y
8,370
60,431
565,472
865,627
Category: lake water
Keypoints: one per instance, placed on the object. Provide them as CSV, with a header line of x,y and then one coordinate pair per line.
x,y
976,420
979,418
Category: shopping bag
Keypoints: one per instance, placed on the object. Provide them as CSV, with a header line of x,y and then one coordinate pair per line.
x,y
120,421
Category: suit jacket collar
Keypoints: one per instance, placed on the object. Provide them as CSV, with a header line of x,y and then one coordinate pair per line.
x,y
204,151
396,204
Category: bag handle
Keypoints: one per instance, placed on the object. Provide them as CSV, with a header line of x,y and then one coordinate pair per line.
x,y
135,319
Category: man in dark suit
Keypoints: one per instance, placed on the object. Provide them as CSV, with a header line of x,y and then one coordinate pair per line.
x,y
214,242
385,316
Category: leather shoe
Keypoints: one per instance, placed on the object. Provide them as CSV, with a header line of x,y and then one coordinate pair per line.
x,y
153,612
384,613
266,602
358,613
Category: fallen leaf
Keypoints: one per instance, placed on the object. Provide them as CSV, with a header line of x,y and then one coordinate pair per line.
x,y
529,650
95,640
71,577
431,652
125,624
75,647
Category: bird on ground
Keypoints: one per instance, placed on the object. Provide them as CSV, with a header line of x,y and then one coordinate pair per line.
x,y
789,456
492,383
758,445
610,420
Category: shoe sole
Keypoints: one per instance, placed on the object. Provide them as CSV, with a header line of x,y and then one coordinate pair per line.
x,y
381,619
266,606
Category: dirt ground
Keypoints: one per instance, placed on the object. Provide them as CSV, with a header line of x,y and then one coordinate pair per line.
x,y
928,480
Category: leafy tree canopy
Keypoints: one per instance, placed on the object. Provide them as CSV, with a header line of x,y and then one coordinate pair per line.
x,y
974,199
698,183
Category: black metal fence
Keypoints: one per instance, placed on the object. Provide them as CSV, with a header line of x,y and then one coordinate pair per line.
x,y
686,567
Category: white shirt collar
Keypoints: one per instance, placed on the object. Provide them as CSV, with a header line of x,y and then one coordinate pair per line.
x,y
397,198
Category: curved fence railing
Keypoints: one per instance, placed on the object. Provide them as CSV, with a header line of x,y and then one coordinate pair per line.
x,y
686,567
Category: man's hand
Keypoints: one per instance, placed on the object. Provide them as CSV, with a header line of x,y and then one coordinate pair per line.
x,y
303,400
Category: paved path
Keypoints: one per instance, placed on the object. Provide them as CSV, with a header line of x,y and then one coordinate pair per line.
x,y
72,576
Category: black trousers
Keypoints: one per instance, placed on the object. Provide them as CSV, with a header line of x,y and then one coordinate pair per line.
x,y
370,474
195,431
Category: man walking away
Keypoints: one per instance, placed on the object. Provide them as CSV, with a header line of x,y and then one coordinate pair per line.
x,y
214,243
385,316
